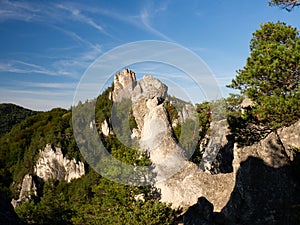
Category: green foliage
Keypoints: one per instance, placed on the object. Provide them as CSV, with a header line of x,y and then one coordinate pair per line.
x,y
103,106
52,208
129,155
288,5
245,128
204,117
95,200
123,121
190,132
11,115
113,203
271,75
171,111
91,199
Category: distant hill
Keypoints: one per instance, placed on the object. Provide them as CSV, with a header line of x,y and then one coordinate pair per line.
x,y
11,115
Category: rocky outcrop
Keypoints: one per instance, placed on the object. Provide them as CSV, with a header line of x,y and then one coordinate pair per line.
x,y
184,188
105,128
52,164
243,190
123,81
180,182
270,150
216,141
205,211
290,139
146,89
265,183
156,138
28,190
154,129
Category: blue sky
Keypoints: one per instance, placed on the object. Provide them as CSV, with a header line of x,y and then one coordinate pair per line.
x,y
46,46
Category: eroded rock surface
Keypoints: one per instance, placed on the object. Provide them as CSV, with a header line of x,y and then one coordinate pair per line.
x,y
28,190
123,81
265,183
185,187
105,128
247,193
290,138
146,89
180,182
52,164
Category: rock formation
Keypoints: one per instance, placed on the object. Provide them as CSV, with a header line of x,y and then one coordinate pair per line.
x,y
266,183
52,164
243,191
146,89
180,182
105,128
216,141
28,190
123,81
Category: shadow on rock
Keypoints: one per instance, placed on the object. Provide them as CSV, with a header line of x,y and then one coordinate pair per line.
x,y
262,195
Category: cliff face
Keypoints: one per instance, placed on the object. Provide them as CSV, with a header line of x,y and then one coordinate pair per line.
x,y
123,82
28,190
180,182
254,187
52,164
265,183
264,188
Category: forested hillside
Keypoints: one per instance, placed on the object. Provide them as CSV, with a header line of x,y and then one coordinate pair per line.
x,y
91,199
11,115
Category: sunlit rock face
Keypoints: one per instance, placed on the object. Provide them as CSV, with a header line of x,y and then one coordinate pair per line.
x,y
28,190
52,164
105,129
123,81
148,89
181,182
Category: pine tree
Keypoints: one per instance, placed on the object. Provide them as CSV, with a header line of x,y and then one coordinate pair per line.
x,y
271,75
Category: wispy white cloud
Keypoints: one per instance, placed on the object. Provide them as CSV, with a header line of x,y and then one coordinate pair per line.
x,y
17,11
50,14
96,48
54,16
16,66
77,15
72,65
141,20
145,16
